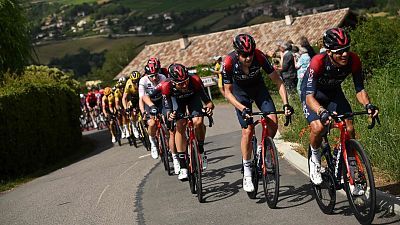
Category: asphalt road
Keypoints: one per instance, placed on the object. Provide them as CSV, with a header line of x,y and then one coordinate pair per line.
x,y
124,185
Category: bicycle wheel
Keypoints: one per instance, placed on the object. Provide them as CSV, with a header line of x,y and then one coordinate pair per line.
x,y
117,133
325,193
197,172
270,172
144,135
191,165
254,170
363,205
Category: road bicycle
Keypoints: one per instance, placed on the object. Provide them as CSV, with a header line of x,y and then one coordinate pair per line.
x,y
347,168
194,160
116,127
142,128
265,163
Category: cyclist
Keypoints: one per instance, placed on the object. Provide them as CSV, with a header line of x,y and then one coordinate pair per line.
x,y
153,105
184,93
108,104
243,84
321,92
91,103
157,64
130,101
118,93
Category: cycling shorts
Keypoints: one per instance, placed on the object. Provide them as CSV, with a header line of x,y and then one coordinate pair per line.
x,y
330,100
246,95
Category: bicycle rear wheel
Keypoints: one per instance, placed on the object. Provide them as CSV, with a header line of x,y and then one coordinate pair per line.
x,y
270,172
363,205
165,151
144,135
325,193
197,172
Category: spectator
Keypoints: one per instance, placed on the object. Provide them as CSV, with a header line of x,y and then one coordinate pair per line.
x,y
304,43
288,71
301,66
217,71
296,53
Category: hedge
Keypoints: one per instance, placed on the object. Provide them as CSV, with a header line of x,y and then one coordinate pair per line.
x,y
39,121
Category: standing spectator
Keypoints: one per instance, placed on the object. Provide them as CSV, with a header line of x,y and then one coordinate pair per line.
x,y
304,43
217,71
296,54
288,71
301,66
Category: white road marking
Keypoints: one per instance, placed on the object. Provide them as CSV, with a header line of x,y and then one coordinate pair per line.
x,y
128,169
144,156
101,195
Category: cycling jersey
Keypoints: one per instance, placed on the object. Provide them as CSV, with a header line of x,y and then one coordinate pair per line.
x,y
131,88
323,80
118,94
248,87
232,70
147,87
91,100
109,101
323,76
174,99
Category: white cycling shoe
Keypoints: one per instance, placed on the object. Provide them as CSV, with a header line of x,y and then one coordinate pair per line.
x,y
248,184
315,172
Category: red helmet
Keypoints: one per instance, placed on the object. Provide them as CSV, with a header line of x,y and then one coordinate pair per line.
x,y
153,66
178,72
336,38
244,44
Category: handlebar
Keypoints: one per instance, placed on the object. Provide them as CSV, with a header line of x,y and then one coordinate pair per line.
x,y
338,118
190,117
288,119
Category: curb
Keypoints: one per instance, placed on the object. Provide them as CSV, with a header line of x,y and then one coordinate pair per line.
x,y
385,202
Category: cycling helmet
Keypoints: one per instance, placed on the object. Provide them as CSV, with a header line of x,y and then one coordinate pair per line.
x,y
336,38
81,95
244,44
178,72
107,91
121,80
135,75
153,66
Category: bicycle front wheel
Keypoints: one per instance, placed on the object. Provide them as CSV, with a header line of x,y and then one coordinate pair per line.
x,y
191,165
361,192
197,172
270,172
325,193
144,135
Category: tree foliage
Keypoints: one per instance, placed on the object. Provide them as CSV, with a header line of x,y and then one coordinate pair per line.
x,y
15,43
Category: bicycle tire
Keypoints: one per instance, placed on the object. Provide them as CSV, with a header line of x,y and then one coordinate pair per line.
x,y
270,173
144,136
190,164
254,170
327,205
368,216
197,172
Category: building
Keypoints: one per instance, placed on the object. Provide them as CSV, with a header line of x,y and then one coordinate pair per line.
x,y
192,51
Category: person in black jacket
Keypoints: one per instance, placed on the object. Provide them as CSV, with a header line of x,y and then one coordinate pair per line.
x,y
288,70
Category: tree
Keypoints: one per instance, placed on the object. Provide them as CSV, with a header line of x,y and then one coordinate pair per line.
x,y
15,44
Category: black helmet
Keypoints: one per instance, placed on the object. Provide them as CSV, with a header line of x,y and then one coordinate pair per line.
x,y
244,44
178,72
336,38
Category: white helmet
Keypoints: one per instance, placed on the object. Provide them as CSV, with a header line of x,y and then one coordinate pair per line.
x,y
121,80
81,95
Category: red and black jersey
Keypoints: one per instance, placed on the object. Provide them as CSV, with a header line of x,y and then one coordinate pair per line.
x,y
232,70
91,98
165,72
322,75
168,91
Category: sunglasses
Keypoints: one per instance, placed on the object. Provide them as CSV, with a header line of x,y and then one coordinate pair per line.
x,y
245,55
340,51
151,75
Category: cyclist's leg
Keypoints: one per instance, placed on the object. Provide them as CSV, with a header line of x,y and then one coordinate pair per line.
x,y
180,138
264,102
195,107
134,118
341,105
151,130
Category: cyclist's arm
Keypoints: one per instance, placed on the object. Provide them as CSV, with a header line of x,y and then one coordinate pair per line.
x,y
146,99
103,100
227,80
356,71
231,98
280,85
141,105
311,75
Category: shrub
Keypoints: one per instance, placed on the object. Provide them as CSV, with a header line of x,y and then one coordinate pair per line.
x,y
39,115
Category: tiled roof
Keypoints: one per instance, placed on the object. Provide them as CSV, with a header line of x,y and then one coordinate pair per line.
x,y
203,47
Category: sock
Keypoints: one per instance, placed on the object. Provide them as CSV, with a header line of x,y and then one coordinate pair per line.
x,y
247,168
314,154
182,159
174,156
152,140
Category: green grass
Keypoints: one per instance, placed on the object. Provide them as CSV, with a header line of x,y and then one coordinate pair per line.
x,y
46,52
86,147
260,19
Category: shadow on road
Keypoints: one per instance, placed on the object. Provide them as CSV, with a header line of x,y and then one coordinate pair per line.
x,y
215,189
